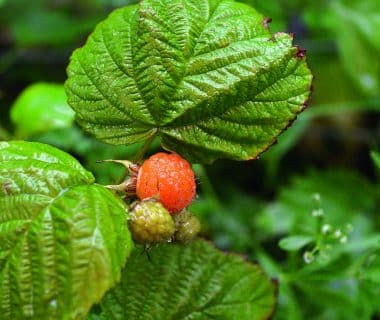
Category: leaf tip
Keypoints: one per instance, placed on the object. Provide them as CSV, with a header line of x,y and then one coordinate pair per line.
x,y
300,52
266,22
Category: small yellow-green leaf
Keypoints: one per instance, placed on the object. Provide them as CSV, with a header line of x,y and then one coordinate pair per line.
x,y
293,243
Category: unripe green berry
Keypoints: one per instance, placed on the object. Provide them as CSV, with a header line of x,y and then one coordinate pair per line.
x,y
187,226
150,222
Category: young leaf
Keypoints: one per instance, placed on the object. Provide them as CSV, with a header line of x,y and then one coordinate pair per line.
x,y
207,77
63,240
355,24
369,277
189,282
293,243
375,156
41,107
291,213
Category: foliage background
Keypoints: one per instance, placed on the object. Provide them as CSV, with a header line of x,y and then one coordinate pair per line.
x,y
249,207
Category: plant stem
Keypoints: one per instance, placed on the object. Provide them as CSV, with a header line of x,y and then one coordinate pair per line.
x,y
140,154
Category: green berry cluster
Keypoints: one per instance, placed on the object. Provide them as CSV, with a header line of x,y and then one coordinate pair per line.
x,y
151,223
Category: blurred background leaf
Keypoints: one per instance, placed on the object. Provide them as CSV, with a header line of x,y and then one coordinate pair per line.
x,y
294,243
354,25
341,199
39,108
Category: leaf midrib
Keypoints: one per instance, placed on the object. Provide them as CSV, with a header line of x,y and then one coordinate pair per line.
x,y
23,235
192,48
207,117
191,55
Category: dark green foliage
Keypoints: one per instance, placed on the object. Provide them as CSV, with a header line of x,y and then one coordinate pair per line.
x,y
265,209
39,108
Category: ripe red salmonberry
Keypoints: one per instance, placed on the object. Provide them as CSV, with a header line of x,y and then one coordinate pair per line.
x,y
169,177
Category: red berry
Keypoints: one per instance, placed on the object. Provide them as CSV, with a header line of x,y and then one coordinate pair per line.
x,y
170,178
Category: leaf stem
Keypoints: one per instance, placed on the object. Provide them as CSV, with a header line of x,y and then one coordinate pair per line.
x,y
140,154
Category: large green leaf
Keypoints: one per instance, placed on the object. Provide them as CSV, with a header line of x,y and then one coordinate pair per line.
x,y
63,240
189,282
206,76
41,107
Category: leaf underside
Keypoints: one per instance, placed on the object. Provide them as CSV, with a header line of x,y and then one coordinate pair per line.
x,y
63,240
195,281
206,76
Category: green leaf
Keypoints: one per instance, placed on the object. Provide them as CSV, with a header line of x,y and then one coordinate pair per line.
x,y
45,25
375,156
63,240
355,25
339,299
41,107
207,77
371,267
294,243
369,277
341,200
189,282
